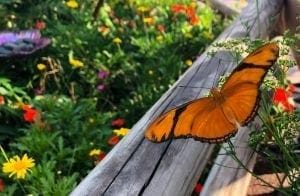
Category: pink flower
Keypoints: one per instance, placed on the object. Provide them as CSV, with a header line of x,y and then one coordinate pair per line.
x,y
38,91
102,74
101,87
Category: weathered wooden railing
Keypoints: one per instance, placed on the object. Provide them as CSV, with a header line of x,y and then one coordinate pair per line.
x,y
138,167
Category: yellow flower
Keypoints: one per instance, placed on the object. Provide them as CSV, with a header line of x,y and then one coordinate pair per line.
x,y
76,63
91,120
72,4
159,37
18,166
121,132
94,152
117,40
188,35
150,72
148,20
208,35
193,4
41,66
18,104
188,62
143,9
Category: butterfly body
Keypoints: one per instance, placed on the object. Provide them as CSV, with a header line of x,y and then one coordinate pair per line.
x,y
217,117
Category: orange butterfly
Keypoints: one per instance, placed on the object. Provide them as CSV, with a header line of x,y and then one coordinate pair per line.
x,y
216,118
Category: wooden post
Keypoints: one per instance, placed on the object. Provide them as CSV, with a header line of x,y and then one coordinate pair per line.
x,y
228,7
227,176
138,167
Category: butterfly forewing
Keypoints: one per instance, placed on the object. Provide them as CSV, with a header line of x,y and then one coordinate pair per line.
x,y
164,124
264,56
253,68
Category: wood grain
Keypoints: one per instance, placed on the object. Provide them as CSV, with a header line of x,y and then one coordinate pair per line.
x,y
136,166
227,176
229,7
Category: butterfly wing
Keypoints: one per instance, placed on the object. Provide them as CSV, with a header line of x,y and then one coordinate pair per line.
x,y
253,68
193,119
208,120
241,90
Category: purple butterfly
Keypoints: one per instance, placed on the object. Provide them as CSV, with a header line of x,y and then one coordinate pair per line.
x,y
21,43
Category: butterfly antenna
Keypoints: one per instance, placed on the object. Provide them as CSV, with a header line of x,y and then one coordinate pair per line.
x,y
216,80
202,87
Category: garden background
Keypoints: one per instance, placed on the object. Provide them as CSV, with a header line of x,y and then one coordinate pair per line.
x,y
76,75
91,70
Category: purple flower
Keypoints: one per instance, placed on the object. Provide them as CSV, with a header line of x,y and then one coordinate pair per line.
x,y
102,74
101,87
21,43
38,91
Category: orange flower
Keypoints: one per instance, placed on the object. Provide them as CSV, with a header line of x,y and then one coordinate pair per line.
x,y
103,29
176,8
113,140
194,20
2,100
148,20
40,25
161,28
191,14
25,107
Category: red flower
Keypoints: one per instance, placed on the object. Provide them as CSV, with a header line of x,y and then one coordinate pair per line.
x,y
191,14
2,100
281,98
119,122
189,11
30,114
103,28
131,24
194,20
176,8
1,185
291,88
40,25
161,28
113,140
198,188
101,156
